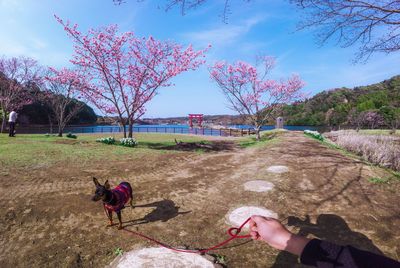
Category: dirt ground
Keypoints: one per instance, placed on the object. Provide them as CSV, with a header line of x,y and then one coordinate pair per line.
x,y
183,198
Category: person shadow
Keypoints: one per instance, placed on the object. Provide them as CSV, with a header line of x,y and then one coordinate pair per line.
x,y
328,227
164,210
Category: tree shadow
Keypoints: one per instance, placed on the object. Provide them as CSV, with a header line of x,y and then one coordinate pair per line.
x,y
328,227
212,146
164,210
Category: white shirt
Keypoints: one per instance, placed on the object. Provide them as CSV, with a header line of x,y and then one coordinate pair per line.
x,y
12,117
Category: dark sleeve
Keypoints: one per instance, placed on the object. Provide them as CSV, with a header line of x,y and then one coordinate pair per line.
x,y
324,254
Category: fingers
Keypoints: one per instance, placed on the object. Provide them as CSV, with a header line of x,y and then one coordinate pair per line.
x,y
253,230
254,235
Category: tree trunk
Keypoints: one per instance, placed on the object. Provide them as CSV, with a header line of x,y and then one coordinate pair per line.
x,y
124,128
60,130
60,125
3,124
50,123
130,128
258,137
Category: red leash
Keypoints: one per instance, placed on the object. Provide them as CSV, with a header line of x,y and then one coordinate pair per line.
x,y
233,232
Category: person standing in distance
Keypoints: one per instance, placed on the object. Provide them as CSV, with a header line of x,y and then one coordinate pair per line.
x,y
11,121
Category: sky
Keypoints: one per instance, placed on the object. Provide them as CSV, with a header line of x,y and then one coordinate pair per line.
x,y
259,27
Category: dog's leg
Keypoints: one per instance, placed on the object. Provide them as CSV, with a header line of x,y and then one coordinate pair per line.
x,y
120,220
131,202
110,217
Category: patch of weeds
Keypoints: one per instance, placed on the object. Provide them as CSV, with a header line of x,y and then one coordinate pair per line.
x,y
252,141
118,252
378,180
220,259
396,175
386,180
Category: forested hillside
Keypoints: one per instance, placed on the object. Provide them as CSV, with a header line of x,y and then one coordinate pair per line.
x,y
376,105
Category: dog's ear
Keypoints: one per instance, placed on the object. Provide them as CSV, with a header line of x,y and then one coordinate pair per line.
x,y
107,185
96,182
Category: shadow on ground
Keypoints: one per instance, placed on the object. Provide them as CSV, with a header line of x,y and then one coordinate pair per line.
x,y
213,146
164,210
328,227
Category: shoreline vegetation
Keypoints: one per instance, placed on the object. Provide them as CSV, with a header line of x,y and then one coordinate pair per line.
x,y
379,147
375,147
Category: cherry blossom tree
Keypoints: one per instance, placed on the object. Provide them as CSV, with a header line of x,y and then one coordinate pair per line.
x,y
17,76
61,93
124,72
250,93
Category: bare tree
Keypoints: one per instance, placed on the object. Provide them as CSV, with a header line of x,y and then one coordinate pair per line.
x,y
373,24
61,95
17,75
187,5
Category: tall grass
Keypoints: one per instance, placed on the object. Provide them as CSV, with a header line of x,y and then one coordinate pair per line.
x,y
379,149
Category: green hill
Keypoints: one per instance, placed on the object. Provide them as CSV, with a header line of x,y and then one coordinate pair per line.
x,y
341,106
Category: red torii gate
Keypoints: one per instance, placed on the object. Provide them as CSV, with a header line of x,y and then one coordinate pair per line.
x,y
199,118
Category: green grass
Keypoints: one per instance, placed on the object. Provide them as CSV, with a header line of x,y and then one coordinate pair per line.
x,y
35,150
267,137
378,180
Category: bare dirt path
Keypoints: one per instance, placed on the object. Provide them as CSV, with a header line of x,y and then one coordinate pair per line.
x,y
48,219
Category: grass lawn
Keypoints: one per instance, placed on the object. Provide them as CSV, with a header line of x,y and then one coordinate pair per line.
x,y
33,150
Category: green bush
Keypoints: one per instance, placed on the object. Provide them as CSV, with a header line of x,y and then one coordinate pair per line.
x,y
128,142
71,136
314,134
108,140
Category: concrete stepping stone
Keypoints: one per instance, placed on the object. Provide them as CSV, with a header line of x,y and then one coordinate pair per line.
x,y
278,169
258,186
241,214
158,257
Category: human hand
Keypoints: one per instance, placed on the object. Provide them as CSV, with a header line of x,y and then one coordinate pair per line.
x,y
270,231
276,235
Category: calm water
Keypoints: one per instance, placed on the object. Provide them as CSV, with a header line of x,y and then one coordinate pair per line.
x,y
182,129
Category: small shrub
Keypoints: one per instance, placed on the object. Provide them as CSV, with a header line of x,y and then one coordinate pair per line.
x,y
128,142
108,140
49,135
71,136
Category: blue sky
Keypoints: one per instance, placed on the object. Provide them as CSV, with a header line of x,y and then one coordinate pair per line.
x,y
259,27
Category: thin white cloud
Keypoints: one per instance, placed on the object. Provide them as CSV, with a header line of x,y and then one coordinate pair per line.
x,y
224,34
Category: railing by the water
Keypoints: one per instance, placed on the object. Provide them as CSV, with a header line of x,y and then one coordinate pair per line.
x,y
142,129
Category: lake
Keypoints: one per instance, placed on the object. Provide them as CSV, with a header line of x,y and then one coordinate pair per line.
x,y
182,129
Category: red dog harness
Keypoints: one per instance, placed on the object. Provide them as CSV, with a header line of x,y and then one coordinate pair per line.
x,y
120,196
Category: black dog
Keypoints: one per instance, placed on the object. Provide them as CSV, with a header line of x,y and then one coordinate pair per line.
x,y
113,200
